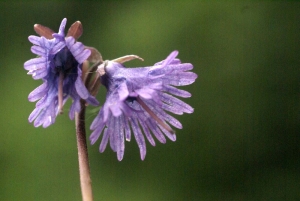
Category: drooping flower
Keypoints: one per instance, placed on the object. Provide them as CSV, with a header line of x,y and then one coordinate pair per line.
x,y
59,65
138,98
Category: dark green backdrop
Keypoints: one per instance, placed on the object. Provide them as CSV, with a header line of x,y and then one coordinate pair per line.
x,y
242,141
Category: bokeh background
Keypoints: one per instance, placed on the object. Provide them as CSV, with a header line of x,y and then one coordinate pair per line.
x,y
242,141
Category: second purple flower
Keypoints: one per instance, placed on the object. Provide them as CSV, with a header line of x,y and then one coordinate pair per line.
x,y
138,98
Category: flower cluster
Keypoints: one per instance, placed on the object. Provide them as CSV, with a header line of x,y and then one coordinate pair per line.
x,y
59,65
138,100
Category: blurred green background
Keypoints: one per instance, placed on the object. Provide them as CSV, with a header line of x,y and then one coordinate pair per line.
x,y
242,141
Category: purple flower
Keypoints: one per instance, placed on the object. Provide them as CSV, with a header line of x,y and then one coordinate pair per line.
x,y
59,65
139,98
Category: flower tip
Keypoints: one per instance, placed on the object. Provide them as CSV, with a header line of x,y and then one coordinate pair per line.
x,y
175,52
64,21
62,27
120,156
170,58
101,149
173,55
143,155
173,137
93,140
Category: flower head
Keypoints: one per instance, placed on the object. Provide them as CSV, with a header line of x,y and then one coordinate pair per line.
x,y
139,98
59,65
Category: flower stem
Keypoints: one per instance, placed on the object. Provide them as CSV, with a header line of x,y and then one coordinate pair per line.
x,y
84,169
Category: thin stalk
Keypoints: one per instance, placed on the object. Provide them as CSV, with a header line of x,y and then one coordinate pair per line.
x,y
84,169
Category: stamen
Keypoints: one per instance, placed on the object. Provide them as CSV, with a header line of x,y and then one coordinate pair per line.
x,y
60,92
154,116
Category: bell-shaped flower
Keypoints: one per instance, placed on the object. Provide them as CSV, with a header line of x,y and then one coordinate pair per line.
x,y
59,65
138,100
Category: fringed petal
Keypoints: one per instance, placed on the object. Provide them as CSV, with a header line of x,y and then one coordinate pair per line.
x,y
38,74
106,135
127,129
97,120
120,142
34,114
139,137
36,63
96,133
81,89
38,93
34,40
178,92
147,132
57,47
38,50
152,125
